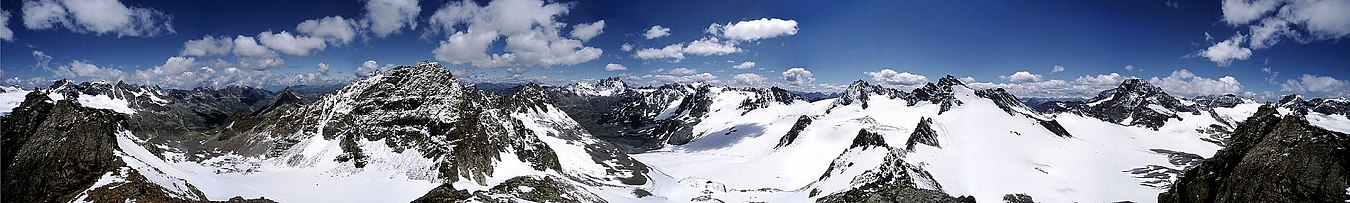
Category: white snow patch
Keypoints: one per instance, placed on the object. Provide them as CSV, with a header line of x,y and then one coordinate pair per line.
x,y
105,102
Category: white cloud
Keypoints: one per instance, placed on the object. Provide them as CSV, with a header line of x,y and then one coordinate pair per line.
x,y
207,46
1225,52
674,51
323,68
367,68
704,47
1270,32
96,16
681,71
286,43
1303,21
247,46
1022,76
665,79
798,76
749,79
528,26
1326,86
1187,84
1056,69
1082,87
1238,12
626,47
755,29
81,69
615,67
656,32
711,46
5,33
1100,80
585,32
387,17
890,77
334,29
744,65
254,56
1129,67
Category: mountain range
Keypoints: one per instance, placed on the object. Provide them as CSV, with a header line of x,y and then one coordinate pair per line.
x,y
417,134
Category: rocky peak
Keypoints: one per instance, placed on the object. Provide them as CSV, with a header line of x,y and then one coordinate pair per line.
x,y
287,98
950,80
605,87
1004,100
858,93
530,96
1215,101
940,93
1271,151
1136,102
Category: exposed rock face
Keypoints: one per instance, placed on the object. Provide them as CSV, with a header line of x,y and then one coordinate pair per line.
x,y
893,181
1136,102
860,92
802,122
940,93
923,134
54,151
764,97
1216,101
1319,105
1271,158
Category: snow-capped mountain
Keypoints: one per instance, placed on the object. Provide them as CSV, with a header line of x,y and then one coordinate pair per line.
x,y
415,133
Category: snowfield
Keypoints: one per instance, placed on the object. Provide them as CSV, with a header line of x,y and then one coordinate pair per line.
x,y
984,152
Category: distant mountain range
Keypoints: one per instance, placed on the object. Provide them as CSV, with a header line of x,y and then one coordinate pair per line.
x,y
416,134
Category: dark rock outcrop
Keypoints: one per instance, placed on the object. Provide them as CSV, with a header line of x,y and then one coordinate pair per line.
x,y
1271,158
923,134
792,134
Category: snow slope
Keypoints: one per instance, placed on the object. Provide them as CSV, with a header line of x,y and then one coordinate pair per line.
x,y
985,152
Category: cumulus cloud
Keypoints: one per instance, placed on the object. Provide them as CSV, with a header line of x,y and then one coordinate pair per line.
x,y
1056,69
798,76
674,51
386,17
333,29
711,46
1225,52
286,43
96,16
664,79
1303,21
704,47
323,68
368,68
5,33
755,29
681,71
528,26
253,55
208,46
1082,87
749,79
1238,12
890,77
744,65
585,32
626,47
1326,86
1022,76
615,67
80,69
1185,83
656,32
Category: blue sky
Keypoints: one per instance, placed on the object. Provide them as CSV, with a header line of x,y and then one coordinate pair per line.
x,y
1261,49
